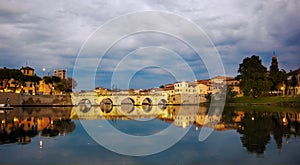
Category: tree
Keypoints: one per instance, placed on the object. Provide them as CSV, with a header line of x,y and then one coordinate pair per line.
x,y
62,85
277,77
35,79
66,85
294,81
253,77
50,81
14,75
18,78
230,93
71,84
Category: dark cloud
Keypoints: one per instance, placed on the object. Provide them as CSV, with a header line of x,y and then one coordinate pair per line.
x,y
49,34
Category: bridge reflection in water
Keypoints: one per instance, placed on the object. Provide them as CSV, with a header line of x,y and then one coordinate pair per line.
x,y
256,127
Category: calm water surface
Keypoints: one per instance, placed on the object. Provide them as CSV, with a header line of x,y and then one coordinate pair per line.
x,y
255,135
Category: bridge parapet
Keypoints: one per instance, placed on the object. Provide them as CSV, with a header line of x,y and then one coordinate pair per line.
x,y
117,99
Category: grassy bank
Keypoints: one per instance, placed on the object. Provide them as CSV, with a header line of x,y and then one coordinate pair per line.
x,y
270,100
263,108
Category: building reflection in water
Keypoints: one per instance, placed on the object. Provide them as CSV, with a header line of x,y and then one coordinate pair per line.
x,y
256,128
22,124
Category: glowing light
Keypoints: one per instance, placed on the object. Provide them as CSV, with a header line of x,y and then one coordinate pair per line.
x,y
284,119
16,119
41,143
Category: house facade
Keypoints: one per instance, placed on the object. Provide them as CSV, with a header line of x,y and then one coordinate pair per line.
x,y
293,82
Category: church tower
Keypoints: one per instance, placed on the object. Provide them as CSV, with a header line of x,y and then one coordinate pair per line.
x,y
274,64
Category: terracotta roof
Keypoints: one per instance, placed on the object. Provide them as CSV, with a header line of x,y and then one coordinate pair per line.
x,y
223,77
295,72
26,68
205,82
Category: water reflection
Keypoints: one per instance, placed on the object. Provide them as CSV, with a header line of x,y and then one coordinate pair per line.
x,y
22,124
256,128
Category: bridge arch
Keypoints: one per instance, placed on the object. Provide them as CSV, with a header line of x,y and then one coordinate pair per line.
x,y
127,108
147,101
85,105
162,104
127,100
106,105
147,107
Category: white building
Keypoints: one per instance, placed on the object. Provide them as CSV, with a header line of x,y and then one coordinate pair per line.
x,y
185,87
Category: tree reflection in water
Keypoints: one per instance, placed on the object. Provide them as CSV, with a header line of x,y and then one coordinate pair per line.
x,y
31,122
256,127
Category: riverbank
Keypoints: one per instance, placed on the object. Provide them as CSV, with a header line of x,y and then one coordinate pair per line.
x,y
19,100
290,101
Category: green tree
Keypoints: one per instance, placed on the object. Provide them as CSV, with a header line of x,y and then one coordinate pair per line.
x,y
18,78
294,81
66,85
51,81
253,77
277,78
11,74
71,84
230,93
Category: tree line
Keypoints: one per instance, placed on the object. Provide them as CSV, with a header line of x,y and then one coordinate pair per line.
x,y
256,80
17,78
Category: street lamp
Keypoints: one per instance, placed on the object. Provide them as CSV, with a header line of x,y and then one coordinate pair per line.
x,y
44,69
282,88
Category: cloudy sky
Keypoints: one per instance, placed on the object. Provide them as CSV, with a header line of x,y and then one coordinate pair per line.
x,y
50,34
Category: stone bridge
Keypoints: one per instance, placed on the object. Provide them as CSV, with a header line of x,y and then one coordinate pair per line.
x,y
118,99
117,112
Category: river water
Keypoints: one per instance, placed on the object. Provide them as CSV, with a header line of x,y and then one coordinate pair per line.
x,y
150,135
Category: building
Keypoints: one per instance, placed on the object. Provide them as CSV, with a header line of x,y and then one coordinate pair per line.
x,y
234,85
28,71
274,63
103,91
44,88
204,86
220,82
60,73
169,89
293,82
203,89
185,93
18,86
185,87
28,87
159,91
